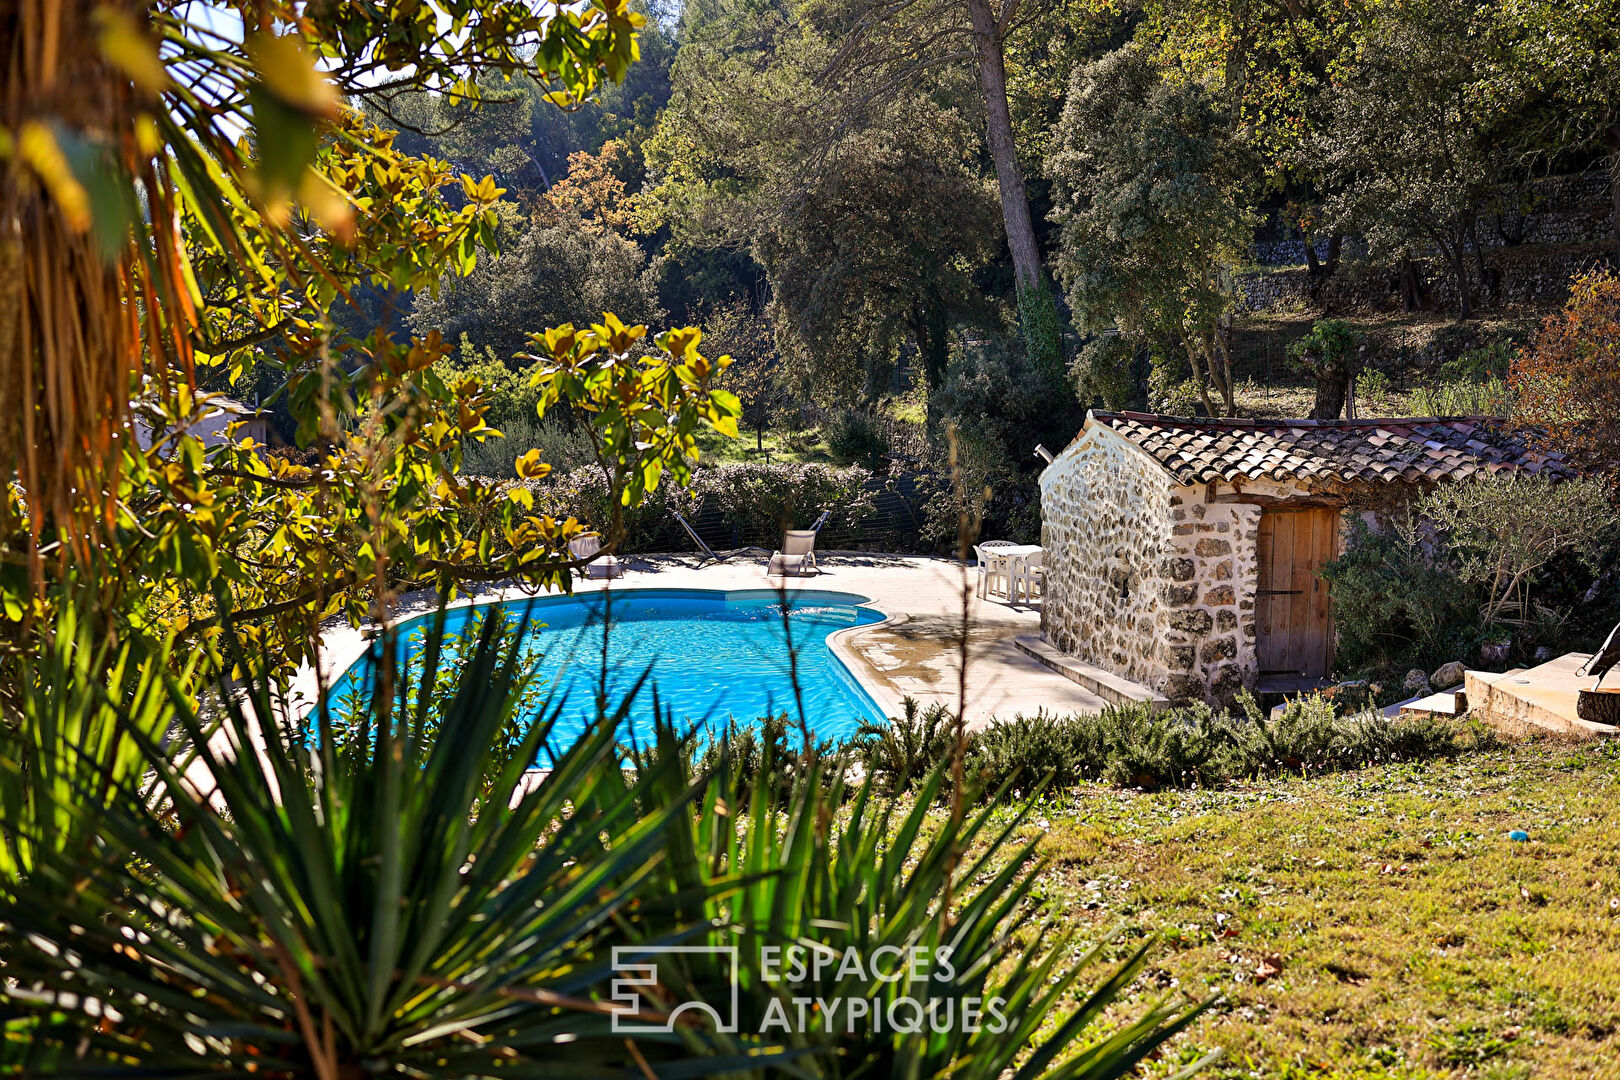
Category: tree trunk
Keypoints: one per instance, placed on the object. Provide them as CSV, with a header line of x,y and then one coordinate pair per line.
x,y
930,329
1332,390
1224,381
1411,284
1317,269
1026,256
1335,246
1465,308
1201,370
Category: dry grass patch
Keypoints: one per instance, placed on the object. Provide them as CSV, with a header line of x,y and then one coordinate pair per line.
x,y
1379,923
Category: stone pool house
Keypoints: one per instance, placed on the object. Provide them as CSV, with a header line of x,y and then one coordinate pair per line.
x,y
1181,554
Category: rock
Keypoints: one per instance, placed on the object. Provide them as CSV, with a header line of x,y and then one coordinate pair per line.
x,y
1495,652
1416,682
1447,675
1353,691
1179,569
1191,622
1180,595
1543,654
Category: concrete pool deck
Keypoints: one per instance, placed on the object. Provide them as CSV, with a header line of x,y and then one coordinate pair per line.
x,y
913,653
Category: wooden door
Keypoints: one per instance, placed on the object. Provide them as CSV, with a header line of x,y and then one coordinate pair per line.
x,y
1293,627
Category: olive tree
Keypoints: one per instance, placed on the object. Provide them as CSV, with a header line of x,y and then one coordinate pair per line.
x,y
1503,529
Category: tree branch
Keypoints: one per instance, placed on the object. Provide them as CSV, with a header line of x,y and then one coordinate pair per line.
x,y
231,344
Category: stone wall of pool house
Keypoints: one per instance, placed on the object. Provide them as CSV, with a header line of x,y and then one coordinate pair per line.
x,y
1146,578
1106,531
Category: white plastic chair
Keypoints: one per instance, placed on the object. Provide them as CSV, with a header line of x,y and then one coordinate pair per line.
x,y
991,565
583,547
798,552
1027,573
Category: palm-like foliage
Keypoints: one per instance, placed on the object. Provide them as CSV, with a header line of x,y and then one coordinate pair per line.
x,y
63,727
299,911
832,867
123,175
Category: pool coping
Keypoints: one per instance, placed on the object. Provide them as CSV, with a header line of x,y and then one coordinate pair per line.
x,y
336,663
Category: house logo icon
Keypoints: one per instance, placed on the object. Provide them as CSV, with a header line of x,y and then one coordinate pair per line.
x,y
638,964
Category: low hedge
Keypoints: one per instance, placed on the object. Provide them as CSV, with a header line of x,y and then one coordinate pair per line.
x,y
1129,746
755,500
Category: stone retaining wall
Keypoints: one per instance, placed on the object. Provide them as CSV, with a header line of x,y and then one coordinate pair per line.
x,y
1515,275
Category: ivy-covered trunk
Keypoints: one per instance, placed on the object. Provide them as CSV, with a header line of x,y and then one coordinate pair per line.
x,y
1037,310
987,44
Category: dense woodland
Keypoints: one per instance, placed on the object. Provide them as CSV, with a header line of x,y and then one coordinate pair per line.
x,y
912,223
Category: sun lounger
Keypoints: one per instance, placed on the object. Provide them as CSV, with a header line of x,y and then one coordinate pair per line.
x,y
583,547
797,555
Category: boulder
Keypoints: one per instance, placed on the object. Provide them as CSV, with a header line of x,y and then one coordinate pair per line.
x,y
1447,675
1416,683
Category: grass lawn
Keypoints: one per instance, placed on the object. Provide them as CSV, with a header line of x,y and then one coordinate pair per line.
x,y
780,446
1374,924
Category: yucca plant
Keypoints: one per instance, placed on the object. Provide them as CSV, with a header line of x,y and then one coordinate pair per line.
x,y
65,715
833,867
290,908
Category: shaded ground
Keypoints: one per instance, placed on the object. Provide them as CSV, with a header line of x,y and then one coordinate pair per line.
x,y
1374,924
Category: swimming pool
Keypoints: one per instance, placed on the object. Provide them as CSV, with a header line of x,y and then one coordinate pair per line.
x,y
712,656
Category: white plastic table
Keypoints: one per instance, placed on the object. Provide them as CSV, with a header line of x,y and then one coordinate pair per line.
x,y
1011,558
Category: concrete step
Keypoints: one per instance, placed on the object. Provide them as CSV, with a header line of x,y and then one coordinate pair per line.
x,y
1451,702
1105,684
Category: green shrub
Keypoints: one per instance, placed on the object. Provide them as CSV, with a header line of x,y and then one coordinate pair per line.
x,y
854,437
1130,746
1125,745
1493,397
563,449
1480,364
1104,370
1394,605
755,499
1170,390
907,747
1374,390
760,500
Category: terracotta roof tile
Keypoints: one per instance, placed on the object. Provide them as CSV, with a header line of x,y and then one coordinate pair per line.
x,y
1333,451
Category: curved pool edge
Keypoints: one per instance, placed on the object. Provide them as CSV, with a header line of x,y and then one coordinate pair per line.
x,y
888,699
337,662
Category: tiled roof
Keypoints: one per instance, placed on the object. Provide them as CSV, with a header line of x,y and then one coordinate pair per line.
x,y
1333,451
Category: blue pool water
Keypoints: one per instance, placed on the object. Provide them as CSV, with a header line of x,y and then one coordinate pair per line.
x,y
713,657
